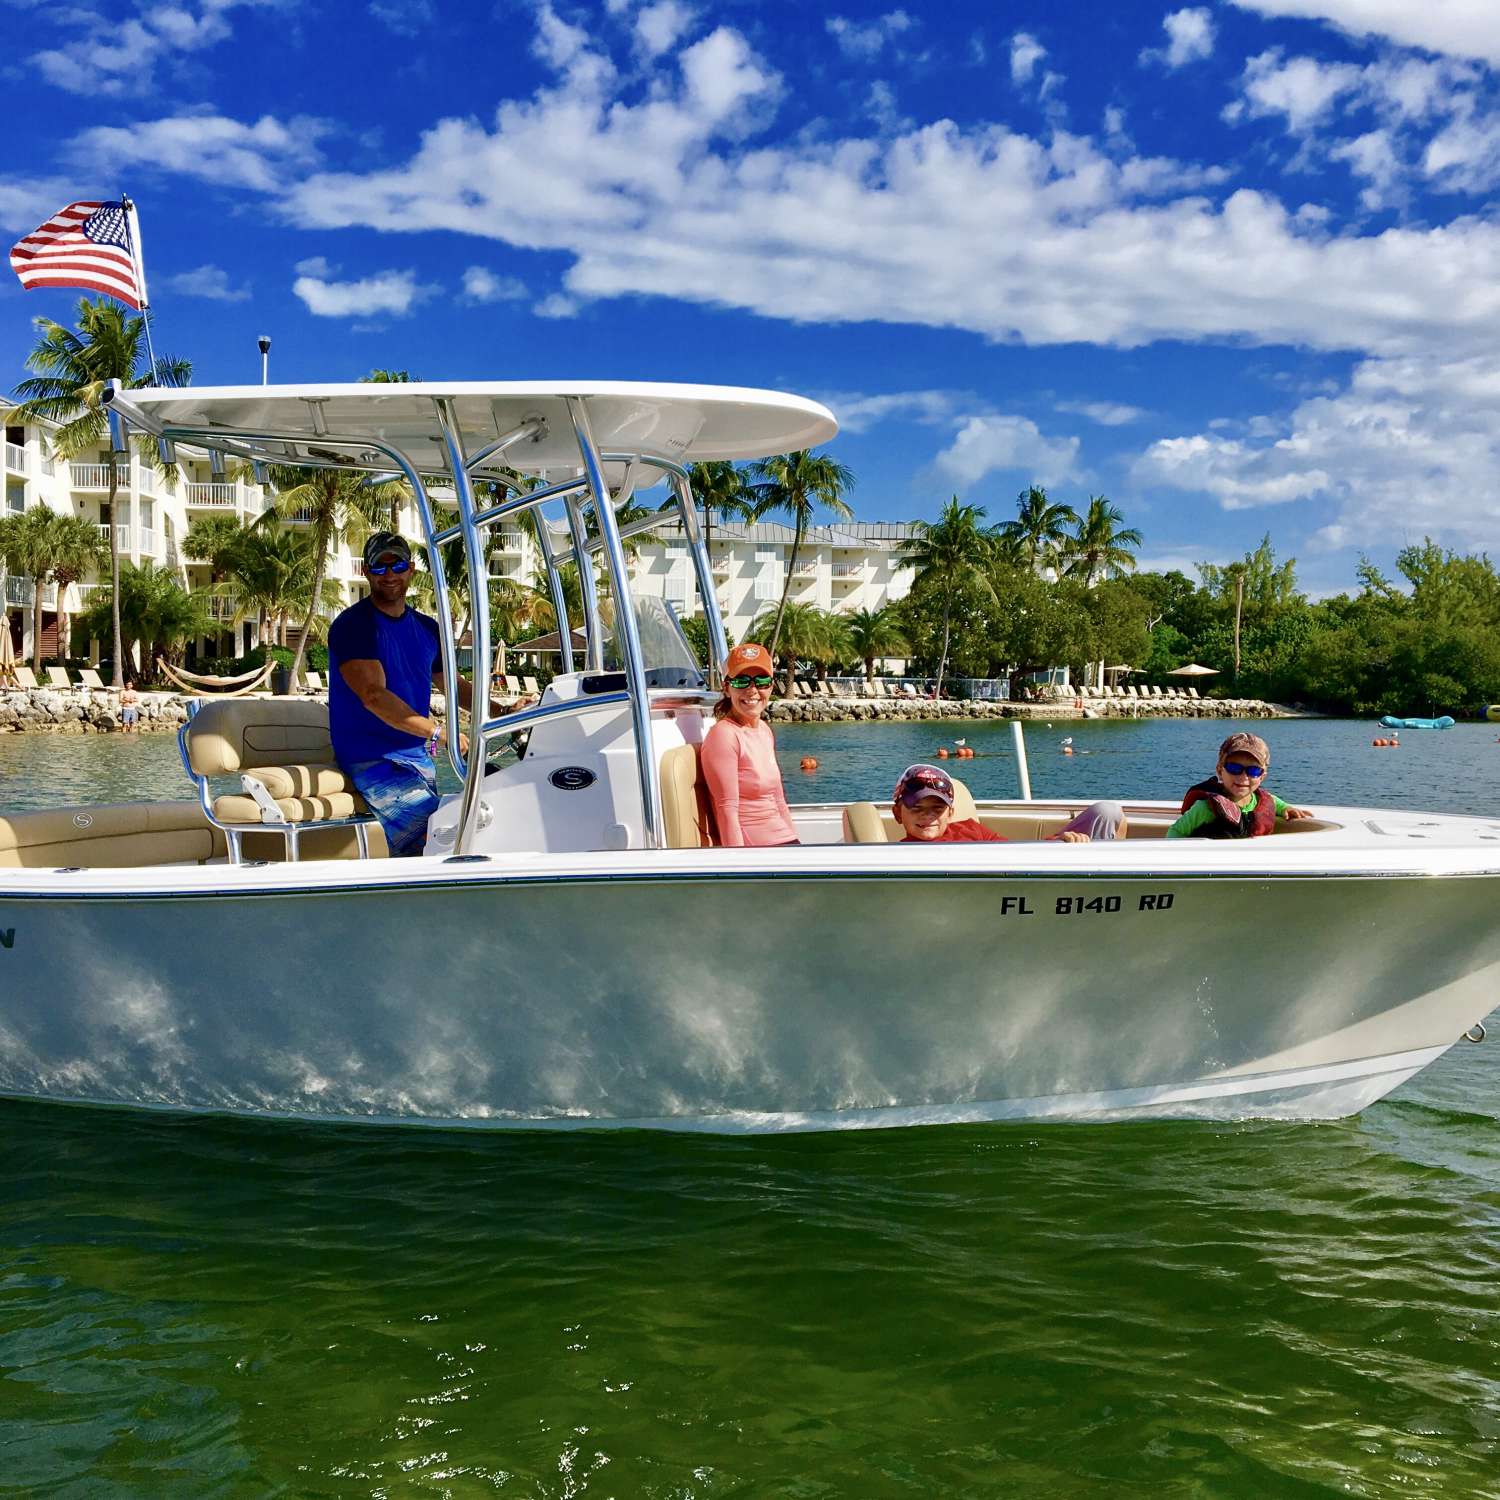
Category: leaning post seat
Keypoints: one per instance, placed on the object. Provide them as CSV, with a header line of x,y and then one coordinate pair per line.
x,y
281,750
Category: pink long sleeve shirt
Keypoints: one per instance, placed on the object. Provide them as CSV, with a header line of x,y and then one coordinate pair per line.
x,y
739,763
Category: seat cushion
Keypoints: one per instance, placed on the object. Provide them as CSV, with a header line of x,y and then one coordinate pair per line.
x,y
864,825
237,734
294,809
302,781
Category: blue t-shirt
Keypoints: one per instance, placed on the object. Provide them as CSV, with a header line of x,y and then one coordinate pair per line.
x,y
408,648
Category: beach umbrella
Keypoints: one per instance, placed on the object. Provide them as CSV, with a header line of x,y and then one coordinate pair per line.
x,y
7,650
1192,669
1111,670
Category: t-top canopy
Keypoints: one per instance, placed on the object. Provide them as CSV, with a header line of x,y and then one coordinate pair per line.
x,y
686,423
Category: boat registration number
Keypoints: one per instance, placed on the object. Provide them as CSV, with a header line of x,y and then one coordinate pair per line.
x,y
1076,906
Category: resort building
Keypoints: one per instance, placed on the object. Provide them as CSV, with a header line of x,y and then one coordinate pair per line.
x,y
843,568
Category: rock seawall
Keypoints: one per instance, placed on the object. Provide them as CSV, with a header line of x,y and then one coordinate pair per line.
x,y
51,711
896,710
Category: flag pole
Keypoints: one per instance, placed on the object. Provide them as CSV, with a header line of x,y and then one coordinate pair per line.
x,y
138,260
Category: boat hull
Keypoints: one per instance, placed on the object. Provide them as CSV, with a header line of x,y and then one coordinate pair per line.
x,y
762,1003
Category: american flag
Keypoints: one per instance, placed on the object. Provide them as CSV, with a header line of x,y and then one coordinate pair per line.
x,y
85,245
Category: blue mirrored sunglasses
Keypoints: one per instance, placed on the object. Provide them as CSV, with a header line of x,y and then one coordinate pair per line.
x,y
379,570
1236,769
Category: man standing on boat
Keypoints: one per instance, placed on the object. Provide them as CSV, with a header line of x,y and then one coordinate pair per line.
x,y
383,659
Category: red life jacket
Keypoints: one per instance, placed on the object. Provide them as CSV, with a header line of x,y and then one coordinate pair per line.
x,y
1230,820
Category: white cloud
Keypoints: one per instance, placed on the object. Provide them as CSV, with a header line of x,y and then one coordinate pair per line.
x,y
116,56
1025,53
28,202
1190,38
316,265
863,43
986,443
1410,446
391,292
404,17
482,285
858,413
266,155
1105,413
1301,88
658,27
555,305
1461,28
210,282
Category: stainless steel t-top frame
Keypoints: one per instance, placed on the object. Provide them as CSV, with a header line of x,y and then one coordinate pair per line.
x,y
324,449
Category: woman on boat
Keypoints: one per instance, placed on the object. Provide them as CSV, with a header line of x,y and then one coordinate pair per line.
x,y
739,757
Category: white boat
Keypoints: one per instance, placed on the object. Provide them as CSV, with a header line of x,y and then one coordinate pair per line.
x,y
568,953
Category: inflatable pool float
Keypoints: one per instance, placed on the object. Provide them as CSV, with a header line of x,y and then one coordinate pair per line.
x,y
1392,722
1492,713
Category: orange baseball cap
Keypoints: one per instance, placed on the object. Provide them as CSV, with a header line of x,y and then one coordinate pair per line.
x,y
749,660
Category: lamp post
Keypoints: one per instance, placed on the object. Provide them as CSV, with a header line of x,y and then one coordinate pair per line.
x,y
264,343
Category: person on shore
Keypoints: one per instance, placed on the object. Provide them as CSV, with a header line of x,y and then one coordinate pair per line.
x,y
922,805
383,663
1233,803
739,757
130,708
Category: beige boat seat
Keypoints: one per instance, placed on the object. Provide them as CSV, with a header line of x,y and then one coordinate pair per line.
x,y
864,823
282,751
113,835
686,814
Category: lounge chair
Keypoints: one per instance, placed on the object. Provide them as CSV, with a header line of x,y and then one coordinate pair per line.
x,y
25,677
314,681
1156,692
89,678
1130,691
58,678
529,683
1195,694
878,686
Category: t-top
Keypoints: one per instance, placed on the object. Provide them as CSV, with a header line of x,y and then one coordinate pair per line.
x,y
961,831
1201,813
739,764
408,648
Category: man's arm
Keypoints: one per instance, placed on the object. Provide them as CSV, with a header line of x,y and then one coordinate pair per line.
x,y
366,680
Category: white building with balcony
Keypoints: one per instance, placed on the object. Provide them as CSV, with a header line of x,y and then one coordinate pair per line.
x,y
852,566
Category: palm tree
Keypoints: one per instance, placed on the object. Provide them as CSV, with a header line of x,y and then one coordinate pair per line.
x,y
270,572
72,371
1097,549
948,554
154,609
339,503
77,551
872,633
795,485
47,545
719,486
804,635
1040,527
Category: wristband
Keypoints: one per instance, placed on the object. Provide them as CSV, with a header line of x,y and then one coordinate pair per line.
x,y
432,742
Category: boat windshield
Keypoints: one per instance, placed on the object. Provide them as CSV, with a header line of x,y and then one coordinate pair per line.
x,y
665,650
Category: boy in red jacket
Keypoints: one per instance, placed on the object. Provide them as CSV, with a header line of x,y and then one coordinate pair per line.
x,y
923,806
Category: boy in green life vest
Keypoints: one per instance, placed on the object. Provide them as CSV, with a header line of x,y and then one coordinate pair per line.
x,y
1234,803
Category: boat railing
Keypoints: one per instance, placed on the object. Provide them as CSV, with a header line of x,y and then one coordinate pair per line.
x,y
589,486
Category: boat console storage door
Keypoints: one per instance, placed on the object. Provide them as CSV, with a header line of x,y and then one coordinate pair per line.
x,y
476,454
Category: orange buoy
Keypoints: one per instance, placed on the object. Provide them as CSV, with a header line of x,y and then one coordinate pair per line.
x,y
1067,749
943,753
809,764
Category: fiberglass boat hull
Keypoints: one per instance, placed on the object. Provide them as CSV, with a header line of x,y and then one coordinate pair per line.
x,y
767,1002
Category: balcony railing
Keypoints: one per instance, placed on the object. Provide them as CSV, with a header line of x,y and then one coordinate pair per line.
x,y
15,457
148,541
510,541
215,496
721,567
805,570
19,591
124,536
96,476
223,607
848,570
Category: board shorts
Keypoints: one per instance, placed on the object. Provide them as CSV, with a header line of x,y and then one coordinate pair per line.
x,y
129,715
401,789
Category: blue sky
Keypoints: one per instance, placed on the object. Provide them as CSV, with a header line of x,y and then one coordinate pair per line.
x,y
1235,266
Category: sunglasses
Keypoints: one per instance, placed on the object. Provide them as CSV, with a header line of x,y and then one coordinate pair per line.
x,y
744,682
1236,769
379,570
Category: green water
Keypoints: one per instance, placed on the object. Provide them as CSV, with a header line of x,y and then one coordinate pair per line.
x,y
214,1308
